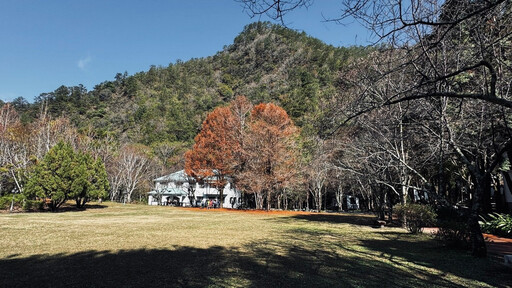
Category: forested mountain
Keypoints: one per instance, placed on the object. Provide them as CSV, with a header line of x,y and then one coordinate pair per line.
x,y
266,62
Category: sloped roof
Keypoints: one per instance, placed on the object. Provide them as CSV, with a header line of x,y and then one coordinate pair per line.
x,y
178,176
169,192
181,176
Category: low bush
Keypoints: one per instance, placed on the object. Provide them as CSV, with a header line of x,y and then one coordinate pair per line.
x,y
453,226
497,224
6,200
33,205
454,233
417,216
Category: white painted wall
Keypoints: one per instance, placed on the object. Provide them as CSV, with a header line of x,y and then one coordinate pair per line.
x,y
199,194
506,189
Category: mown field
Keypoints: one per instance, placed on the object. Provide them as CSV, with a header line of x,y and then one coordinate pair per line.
x,y
115,245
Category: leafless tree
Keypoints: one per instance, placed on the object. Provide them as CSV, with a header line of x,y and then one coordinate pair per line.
x,y
317,172
449,50
133,167
275,9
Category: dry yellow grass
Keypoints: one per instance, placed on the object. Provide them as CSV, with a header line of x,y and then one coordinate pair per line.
x,y
134,246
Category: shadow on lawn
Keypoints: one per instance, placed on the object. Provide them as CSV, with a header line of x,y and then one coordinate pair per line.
x,y
266,264
68,207
337,218
431,255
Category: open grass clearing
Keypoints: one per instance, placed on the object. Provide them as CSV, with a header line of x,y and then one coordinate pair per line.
x,y
148,246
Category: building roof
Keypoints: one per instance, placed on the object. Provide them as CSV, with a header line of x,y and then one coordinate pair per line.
x,y
178,176
169,192
181,176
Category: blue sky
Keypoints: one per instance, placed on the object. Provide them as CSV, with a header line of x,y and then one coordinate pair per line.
x,y
45,44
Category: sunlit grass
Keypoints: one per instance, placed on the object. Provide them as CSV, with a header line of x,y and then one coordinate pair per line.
x,y
135,246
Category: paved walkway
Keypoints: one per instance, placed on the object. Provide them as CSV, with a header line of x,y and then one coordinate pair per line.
x,y
496,246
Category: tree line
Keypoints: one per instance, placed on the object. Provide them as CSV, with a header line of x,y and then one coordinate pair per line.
x,y
47,162
430,109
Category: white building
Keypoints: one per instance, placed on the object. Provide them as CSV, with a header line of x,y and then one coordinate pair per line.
x,y
506,189
180,189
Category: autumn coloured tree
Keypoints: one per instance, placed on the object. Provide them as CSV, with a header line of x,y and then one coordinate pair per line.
x,y
255,146
214,150
270,150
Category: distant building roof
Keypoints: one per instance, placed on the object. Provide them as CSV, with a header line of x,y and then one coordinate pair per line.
x,y
169,192
179,176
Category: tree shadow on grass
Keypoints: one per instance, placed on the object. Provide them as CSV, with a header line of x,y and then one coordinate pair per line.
x,y
190,267
265,264
68,207
392,259
338,218
397,247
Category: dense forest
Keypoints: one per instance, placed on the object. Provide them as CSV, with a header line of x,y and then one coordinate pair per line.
x,y
266,62
422,117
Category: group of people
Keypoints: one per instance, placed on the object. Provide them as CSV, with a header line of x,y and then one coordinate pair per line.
x,y
210,204
171,202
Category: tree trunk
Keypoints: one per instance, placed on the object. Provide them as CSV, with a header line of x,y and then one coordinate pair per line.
x,y
307,200
221,195
403,200
268,200
478,247
258,198
486,195
285,200
12,203
339,198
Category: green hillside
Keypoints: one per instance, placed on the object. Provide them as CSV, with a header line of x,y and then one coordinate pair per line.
x,y
266,62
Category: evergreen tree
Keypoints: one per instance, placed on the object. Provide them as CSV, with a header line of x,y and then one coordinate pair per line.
x,y
90,180
53,177
64,174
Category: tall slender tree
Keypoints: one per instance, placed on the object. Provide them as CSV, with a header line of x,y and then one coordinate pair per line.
x,y
270,152
213,153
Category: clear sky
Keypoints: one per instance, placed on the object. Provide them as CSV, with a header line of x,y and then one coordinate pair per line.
x,y
48,43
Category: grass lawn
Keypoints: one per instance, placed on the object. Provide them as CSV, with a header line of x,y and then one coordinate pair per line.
x,y
115,245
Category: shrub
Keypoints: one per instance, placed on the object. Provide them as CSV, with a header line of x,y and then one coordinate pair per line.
x,y
417,216
31,205
453,226
454,233
6,200
497,224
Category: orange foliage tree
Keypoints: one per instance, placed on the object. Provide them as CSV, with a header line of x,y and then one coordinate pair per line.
x,y
213,153
270,151
255,146
240,108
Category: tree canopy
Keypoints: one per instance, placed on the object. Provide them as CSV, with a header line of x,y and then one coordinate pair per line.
x,y
64,174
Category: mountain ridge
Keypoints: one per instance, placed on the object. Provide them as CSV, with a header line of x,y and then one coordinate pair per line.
x,y
266,63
